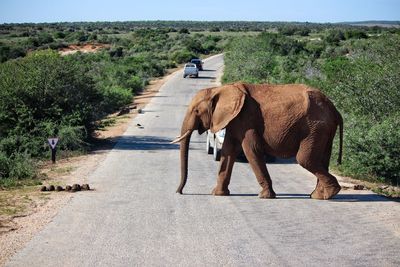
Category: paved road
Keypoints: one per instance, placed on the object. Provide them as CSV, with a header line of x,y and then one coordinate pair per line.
x,y
134,217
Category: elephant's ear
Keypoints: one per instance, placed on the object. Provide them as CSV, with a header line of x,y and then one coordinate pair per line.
x,y
227,102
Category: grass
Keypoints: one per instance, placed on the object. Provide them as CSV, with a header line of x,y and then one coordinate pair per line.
x,y
388,192
62,170
110,121
7,39
16,201
107,122
10,183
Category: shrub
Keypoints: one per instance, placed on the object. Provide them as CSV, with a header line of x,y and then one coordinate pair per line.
x,y
184,31
135,83
115,97
4,165
40,94
182,56
71,138
334,36
372,150
22,166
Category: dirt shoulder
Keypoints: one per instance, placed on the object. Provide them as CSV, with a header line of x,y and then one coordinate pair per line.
x,y
25,211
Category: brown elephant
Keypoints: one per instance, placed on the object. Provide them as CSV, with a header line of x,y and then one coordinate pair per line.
x,y
280,120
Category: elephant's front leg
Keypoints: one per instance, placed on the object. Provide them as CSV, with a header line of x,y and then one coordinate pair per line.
x,y
253,149
230,150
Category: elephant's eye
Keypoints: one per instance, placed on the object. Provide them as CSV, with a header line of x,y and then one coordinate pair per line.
x,y
196,111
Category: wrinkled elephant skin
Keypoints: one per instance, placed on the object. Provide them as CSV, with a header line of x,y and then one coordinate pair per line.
x,y
280,120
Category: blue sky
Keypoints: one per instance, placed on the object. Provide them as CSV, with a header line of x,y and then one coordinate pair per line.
x,y
250,10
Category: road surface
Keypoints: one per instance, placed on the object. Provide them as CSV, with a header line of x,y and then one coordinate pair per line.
x,y
135,218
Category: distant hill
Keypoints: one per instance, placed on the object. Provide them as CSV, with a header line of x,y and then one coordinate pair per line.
x,y
371,23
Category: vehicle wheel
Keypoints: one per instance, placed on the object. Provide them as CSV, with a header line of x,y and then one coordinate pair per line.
x,y
216,152
208,146
197,76
184,76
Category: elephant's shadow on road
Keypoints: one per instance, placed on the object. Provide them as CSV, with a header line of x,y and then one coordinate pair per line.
x,y
361,198
337,198
148,143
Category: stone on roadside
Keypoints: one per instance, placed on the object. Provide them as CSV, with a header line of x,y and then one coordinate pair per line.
x,y
50,188
59,188
76,187
85,187
68,188
358,187
43,188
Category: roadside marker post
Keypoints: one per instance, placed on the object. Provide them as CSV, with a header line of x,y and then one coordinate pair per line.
x,y
53,145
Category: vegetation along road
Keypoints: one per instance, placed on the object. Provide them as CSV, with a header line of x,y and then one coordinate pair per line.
x,y
134,217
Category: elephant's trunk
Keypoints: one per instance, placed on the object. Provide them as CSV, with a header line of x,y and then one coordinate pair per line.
x,y
188,126
184,160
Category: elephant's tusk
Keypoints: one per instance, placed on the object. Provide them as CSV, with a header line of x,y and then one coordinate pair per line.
x,y
179,138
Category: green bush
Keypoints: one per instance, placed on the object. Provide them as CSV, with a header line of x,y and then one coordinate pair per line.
x,y
182,56
115,97
372,150
4,165
16,166
39,95
71,138
135,83
22,166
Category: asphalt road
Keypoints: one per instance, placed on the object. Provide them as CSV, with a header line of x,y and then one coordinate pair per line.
x,y
135,218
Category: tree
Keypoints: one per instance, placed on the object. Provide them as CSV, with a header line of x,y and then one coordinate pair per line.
x,y
184,31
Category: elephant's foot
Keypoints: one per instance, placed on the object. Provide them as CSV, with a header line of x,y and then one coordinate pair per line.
x,y
325,192
267,193
218,192
318,192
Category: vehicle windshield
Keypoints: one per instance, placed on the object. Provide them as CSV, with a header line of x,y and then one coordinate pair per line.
x,y
195,60
190,66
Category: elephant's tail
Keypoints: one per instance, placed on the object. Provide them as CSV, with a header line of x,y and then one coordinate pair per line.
x,y
340,122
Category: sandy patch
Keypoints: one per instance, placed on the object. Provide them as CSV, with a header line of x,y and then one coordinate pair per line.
x,y
84,48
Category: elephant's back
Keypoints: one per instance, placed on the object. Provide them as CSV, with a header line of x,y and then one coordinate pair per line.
x,y
283,108
284,103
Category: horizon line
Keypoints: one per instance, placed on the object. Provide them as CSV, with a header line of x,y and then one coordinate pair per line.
x,y
210,21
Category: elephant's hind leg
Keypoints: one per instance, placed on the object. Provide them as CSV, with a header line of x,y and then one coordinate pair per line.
x,y
319,189
313,157
255,155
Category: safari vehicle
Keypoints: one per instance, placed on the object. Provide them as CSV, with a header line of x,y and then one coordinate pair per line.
x,y
198,62
190,69
214,145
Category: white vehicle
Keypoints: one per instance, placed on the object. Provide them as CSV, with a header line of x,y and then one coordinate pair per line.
x,y
190,69
214,143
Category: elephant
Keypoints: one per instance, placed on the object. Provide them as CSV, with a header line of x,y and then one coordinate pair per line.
x,y
283,120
